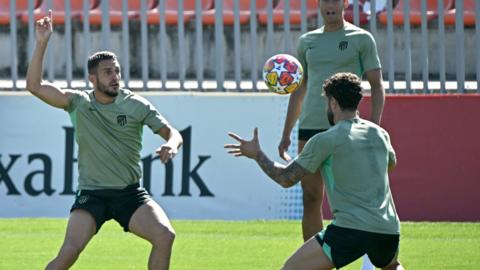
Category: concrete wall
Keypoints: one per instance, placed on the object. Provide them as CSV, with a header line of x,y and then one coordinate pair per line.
x,y
209,51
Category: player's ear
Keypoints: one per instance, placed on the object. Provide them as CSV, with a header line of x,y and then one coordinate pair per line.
x,y
334,103
92,78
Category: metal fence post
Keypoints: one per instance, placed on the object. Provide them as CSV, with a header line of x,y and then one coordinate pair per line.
x,y
13,44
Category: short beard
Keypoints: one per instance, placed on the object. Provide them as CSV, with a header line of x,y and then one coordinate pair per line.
x,y
110,93
104,89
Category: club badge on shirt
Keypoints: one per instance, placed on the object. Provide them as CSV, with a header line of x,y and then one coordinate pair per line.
x,y
343,45
122,120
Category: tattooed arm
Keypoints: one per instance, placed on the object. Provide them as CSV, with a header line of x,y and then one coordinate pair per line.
x,y
286,176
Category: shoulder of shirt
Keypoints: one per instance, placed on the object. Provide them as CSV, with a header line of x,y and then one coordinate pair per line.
x,y
335,133
368,122
313,32
373,125
352,29
82,93
132,96
328,135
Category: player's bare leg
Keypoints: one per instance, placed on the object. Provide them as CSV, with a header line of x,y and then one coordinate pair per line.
x,y
310,256
151,223
313,190
80,229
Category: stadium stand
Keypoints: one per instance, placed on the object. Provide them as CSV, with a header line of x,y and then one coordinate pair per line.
x,y
115,11
379,5
465,70
415,11
21,5
228,12
58,10
295,12
349,13
171,11
468,14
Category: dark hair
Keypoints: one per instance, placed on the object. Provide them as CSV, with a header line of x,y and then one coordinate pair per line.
x,y
95,59
345,88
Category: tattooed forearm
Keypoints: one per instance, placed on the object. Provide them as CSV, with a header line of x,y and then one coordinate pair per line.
x,y
269,166
286,176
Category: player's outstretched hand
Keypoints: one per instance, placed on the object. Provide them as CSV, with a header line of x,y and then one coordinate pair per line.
x,y
245,148
44,27
166,152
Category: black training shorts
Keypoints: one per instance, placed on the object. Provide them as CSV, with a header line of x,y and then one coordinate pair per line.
x,y
105,204
306,134
344,245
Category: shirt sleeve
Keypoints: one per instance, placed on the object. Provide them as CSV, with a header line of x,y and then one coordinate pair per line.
x,y
315,152
153,119
392,157
76,97
369,54
301,50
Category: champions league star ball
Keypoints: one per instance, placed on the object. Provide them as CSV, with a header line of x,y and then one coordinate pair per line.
x,y
282,73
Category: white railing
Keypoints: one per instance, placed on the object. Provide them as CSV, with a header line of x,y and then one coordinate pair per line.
x,y
183,52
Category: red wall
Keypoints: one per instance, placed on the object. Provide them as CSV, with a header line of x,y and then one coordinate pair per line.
x,y
437,141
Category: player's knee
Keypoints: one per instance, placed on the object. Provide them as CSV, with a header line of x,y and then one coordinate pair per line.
x,y
67,256
164,236
70,251
170,235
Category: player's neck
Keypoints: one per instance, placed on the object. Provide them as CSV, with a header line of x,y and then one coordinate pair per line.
x,y
346,115
334,26
102,98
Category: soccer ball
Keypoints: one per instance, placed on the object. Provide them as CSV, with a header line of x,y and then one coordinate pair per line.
x,y
283,74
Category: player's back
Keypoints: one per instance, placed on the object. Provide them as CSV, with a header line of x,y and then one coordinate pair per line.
x,y
364,150
358,184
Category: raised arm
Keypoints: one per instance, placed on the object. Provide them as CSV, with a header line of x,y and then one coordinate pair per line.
x,y
48,93
374,77
285,175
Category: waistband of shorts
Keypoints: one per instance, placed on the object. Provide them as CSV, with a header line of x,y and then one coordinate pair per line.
x,y
127,188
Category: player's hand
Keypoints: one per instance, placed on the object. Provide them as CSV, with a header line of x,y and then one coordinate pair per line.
x,y
166,152
44,27
248,149
283,148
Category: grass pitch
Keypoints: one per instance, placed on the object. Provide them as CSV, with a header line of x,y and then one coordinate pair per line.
x,y
224,245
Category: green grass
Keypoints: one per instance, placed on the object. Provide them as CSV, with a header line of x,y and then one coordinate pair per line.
x,y
223,245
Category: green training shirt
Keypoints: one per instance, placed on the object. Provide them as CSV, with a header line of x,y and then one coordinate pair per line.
x,y
353,157
109,137
323,54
